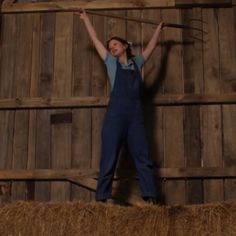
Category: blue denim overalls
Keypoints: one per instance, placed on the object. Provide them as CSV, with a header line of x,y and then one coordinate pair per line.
x,y
124,121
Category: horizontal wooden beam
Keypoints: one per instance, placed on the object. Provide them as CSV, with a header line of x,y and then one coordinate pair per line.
x,y
43,174
27,103
194,3
75,5
73,102
107,5
70,174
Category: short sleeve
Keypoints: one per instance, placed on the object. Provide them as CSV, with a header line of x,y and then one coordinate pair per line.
x,y
139,60
110,62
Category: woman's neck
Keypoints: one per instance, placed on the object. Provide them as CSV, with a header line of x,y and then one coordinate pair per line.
x,y
123,58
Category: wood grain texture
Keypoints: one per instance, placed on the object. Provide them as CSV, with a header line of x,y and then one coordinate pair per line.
x,y
21,87
44,89
81,125
99,87
173,116
106,4
75,5
227,51
62,81
7,62
192,55
211,119
169,173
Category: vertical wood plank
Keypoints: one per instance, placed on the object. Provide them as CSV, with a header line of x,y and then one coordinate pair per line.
x,y
227,39
20,152
211,135
47,41
173,123
22,89
98,88
229,150
61,133
6,147
116,27
33,93
43,153
61,159
81,126
193,83
63,55
8,44
44,89
8,49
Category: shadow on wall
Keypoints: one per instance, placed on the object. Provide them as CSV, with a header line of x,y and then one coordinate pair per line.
x,y
125,168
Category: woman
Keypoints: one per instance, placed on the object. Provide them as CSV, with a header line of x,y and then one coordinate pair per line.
x,y
124,117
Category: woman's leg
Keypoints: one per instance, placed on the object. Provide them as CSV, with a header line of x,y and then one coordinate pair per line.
x,y
112,135
138,147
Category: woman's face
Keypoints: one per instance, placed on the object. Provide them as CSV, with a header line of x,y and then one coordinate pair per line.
x,y
116,48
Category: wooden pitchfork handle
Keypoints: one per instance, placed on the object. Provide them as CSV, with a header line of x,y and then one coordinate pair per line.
x,y
144,21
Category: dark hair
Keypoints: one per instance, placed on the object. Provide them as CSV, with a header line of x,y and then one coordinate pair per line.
x,y
124,42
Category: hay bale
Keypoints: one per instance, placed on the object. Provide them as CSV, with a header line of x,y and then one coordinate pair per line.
x,y
76,218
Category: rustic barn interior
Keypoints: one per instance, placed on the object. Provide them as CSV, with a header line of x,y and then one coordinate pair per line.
x,y
54,93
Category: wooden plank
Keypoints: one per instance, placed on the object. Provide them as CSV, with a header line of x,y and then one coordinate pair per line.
x,y
8,44
20,152
193,69
47,42
170,173
8,49
61,133
99,87
173,117
211,120
43,153
73,5
106,4
81,148
22,88
81,126
61,147
46,174
63,55
44,89
198,3
229,114
86,102
227,35
6,137
33,93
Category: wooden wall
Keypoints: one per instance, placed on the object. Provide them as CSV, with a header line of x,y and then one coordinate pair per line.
x,y
50,55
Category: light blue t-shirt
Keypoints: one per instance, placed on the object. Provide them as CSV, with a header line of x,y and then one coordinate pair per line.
x,y
110,62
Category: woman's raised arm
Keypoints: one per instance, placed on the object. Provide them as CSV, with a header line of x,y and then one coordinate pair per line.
x,y
153,42
102,51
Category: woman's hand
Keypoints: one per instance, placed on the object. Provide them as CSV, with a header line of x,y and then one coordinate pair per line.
x,y
82,14
161,26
